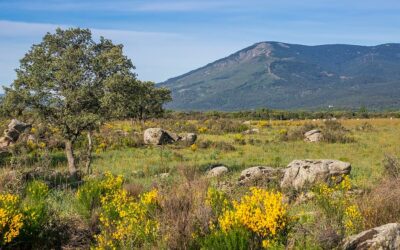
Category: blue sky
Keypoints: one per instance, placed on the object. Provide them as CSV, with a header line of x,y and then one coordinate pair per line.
x,y
166,38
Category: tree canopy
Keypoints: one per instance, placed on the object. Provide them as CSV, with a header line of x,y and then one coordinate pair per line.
x,y
73,83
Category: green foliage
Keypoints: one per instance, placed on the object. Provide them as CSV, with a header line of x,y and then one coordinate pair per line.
x,y
237,239
88,196
72,83
334,132
338,207
35,208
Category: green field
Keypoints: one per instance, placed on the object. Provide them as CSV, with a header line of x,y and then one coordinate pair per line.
x,y
79,207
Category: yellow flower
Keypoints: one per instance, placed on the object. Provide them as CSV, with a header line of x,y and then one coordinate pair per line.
x,y
265,244
202,130
262,212
150,197
125,222
193,147
11,219
42,145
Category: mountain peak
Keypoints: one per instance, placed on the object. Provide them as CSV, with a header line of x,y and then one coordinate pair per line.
x,y
291,76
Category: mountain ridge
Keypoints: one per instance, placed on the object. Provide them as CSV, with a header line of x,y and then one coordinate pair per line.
x,y
289,76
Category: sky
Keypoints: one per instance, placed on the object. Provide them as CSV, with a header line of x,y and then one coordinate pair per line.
x,y
166,38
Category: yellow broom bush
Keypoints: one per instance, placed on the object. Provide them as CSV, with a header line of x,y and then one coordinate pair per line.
x,y
11,219
261,212
126,222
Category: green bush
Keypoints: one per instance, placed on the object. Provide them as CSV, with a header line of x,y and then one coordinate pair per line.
x,y
88,196
334,132
35,207
298,133
235,239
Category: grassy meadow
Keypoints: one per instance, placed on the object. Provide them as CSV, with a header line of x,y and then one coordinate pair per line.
x,y
366,153
185,209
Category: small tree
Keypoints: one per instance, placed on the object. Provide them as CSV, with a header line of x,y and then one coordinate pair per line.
x,y
137,100
65,82
151,100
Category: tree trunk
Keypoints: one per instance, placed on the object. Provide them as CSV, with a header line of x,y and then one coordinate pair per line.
x,y
89,152
69,152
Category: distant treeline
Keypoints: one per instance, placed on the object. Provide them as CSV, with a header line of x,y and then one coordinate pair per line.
x,y
270,114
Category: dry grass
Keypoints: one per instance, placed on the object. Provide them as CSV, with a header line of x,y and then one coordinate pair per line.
x,y
183,212
382,204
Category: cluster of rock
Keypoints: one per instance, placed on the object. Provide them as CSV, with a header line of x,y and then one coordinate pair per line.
x,y
159,136
297,175
12,133
300,173
314,135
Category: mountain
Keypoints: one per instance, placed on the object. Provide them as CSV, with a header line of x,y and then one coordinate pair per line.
x,y
290,76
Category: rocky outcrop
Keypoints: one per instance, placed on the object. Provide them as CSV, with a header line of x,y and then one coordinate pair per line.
x,y
217,171
383,237
158,136
314,135
256,173
12,133
301,173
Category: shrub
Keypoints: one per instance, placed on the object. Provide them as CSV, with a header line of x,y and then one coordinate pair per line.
x,y
392,166
35,208
125,222
338,208
202,130
89,194
11,218
262,213
381,205
218,201
298,133
220,145
334,132
366,126
239,139
223,126
27,222
235,239
184,215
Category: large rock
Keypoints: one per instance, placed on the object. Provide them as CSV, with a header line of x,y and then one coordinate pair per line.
x,y
158,136
252,174
217,171
301,173
314,135
383,237
189,138
11,135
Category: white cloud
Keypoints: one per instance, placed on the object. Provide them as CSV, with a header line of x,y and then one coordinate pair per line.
x,y
124,5
157,55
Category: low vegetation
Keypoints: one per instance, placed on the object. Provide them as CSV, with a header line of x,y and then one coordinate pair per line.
x,y
121,192
126,203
